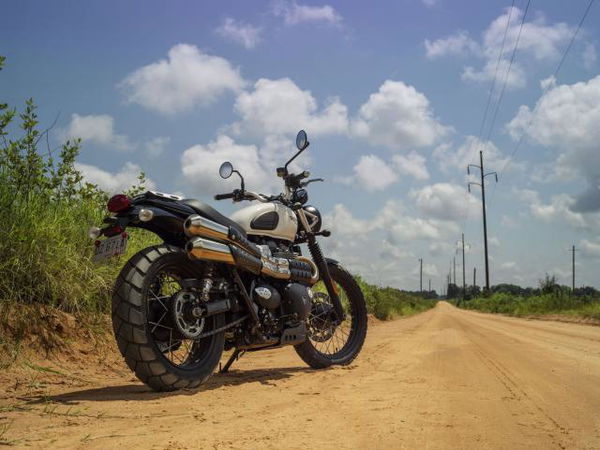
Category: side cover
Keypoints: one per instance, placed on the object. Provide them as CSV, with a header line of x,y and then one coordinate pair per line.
x,y
268,219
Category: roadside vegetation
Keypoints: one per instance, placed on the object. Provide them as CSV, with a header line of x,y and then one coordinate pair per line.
x,y
46,209
387,303
549,298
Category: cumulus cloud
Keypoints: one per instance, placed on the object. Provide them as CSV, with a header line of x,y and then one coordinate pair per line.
x,y
445,201
398,117
566,119
459,43
239,32
539,41
156,146
450,158
113,183
558,210
378,247
281,107
187,78
96,128
200,166
412,164
373,173
294,13
590,248
589,56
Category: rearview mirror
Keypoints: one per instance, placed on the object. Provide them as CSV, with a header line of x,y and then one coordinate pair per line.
x,y
226,170
301,140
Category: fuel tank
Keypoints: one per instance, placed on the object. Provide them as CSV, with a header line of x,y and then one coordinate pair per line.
x,y
268,219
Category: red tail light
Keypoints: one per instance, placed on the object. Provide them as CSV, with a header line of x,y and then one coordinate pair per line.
x,y
118,203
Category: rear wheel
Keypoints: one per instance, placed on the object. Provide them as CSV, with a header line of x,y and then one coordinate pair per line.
x,y
329,343
144,322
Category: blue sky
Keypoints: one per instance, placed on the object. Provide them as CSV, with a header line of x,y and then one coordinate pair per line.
x,y
392,96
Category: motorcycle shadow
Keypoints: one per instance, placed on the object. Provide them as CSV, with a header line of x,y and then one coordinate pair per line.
x,y
232,378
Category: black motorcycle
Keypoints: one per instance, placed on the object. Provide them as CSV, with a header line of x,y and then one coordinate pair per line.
x,y
221,283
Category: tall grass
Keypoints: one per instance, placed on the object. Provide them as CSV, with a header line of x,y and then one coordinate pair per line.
x,y
556,303
46,253
387,303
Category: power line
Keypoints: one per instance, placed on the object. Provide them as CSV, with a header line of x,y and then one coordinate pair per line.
x,y
493,87
512,59
558,67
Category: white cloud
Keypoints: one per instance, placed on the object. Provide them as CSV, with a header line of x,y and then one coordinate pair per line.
x,y
450,159
281,107
96,128
399,117
413,165
200,166
590,248
589,56
430,3
558,210
294,13
240,32
566,119
445,201
378,247
156,146
113,183
187,78
539,41
459,43
374,174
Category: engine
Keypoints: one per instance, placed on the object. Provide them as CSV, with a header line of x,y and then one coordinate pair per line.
x,y
294,301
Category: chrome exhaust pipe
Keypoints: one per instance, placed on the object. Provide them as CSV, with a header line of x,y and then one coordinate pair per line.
x,y
208,250
197,225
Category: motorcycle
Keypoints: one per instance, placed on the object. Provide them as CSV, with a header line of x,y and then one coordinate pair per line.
x,y
222,283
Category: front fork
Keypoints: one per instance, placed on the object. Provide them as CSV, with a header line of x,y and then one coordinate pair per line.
x,y
319,259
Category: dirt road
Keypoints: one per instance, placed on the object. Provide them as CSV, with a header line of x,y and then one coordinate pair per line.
x,y
443,379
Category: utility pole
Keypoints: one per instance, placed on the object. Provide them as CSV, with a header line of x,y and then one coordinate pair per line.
x,y
454,268
474,277
421,275
430,285
463,255
482,185
573,250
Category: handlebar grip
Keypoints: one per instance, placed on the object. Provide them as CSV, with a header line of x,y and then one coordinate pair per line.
x,y
224,196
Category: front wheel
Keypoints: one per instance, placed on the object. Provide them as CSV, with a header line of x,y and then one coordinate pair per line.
x,y
329,343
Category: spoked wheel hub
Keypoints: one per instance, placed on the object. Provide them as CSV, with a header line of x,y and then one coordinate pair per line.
x,y
185,312
322,319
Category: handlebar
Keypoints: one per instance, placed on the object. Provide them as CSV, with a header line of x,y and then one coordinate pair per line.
x,y
224,196
239,195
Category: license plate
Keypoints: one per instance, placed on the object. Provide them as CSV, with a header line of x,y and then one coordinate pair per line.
x,y
113,246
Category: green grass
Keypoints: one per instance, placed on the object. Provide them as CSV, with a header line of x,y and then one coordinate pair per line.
x,y
387,303
47,253
585,307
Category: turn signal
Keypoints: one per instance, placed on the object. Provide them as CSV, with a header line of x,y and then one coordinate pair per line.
x,y
118,203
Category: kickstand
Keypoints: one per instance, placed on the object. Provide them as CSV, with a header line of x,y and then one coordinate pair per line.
x,y
237,354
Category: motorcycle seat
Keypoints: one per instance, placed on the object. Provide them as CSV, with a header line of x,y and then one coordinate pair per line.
x,y
211,213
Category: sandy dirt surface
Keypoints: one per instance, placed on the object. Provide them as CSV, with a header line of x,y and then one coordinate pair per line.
x,y
446,378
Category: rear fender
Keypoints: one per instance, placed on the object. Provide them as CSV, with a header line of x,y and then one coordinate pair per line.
x,y
165,224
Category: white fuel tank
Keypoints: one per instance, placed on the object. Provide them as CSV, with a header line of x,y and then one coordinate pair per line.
x,y
268,219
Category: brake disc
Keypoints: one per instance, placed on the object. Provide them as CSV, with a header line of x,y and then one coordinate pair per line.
x,y
182,305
